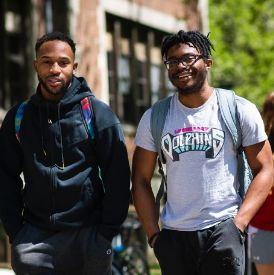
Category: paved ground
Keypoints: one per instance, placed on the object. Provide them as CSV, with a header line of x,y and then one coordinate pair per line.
x,y
155,271
5,271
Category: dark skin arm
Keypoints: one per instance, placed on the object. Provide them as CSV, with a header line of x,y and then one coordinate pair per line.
x,y
143,165
259,158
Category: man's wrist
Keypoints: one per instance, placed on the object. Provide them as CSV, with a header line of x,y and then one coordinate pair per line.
x,y
150,240
240,226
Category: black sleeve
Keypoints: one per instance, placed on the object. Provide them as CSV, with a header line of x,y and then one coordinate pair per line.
x,y
113,161
11,166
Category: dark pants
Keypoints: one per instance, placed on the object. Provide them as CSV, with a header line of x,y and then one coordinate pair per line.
x,y
218,250
79,251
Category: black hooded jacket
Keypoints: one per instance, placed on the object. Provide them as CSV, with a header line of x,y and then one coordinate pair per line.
x,y
53,135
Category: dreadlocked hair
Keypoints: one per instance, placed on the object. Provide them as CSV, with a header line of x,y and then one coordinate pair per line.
x,y
193,39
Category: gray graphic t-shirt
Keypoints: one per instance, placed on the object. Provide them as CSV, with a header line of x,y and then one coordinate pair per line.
x,y
202,180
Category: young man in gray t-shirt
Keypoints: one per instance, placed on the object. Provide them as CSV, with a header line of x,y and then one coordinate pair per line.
x,y
202,224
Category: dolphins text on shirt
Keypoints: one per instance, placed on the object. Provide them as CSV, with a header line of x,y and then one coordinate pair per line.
x,y
211,142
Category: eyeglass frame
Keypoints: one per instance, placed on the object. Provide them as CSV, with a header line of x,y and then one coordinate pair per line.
x,y
181,60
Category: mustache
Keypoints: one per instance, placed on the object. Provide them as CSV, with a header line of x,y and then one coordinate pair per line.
x,y
182,71
56,76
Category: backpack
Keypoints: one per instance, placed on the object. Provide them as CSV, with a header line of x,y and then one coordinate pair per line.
x,y
88,116
228,107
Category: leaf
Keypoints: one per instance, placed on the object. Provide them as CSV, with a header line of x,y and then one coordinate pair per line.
x,y
242,33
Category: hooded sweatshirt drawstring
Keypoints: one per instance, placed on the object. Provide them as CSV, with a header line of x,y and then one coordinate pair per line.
x,y
50,122
41,127
61,135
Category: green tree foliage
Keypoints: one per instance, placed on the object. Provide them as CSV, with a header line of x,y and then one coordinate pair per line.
x,y
242,32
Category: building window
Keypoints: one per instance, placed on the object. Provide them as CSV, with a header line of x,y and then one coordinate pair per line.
x,y
136,74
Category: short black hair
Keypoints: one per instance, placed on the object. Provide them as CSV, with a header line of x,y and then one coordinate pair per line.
x,y
193,39
51,36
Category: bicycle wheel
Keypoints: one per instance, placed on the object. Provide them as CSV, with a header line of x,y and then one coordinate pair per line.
x,y
115,269
137,260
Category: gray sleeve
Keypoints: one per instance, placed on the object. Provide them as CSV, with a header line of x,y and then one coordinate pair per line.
x,y
144,137
251,122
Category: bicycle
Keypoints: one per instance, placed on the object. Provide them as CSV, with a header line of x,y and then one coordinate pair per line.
x,y
129,259
115,270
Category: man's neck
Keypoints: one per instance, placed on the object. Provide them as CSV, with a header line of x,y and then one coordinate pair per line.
x,y
198,98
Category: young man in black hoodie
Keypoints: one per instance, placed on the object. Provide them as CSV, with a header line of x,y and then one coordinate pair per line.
x,y
64,218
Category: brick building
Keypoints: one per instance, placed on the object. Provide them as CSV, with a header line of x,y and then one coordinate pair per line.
x,y
117,48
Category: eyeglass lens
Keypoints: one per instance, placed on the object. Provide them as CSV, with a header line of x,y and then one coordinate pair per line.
x,y
173,64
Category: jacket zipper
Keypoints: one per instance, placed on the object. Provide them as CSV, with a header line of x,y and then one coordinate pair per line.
x,y
51,178
53,199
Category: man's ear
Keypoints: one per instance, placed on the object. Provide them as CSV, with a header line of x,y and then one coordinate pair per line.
x,y
34,62
75,65
208,64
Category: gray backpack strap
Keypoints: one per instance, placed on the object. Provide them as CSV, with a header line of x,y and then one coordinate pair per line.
x,y
228,108
157,123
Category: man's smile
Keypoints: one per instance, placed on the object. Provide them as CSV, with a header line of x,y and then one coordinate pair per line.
x,y
183,76
54,81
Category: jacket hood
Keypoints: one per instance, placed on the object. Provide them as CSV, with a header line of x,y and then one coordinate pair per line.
x,y
78,90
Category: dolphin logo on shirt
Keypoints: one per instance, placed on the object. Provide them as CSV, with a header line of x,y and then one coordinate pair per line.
x,y
211,142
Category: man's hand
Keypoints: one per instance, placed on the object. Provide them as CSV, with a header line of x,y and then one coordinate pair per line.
x,y
153,241
259,158
239,225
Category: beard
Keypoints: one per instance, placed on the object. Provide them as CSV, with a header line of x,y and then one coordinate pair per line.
x,y
62,90
201,77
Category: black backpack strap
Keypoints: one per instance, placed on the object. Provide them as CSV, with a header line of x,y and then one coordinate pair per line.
x,y
161,189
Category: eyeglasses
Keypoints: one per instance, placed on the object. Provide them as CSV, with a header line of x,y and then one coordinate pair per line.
x,y
188,60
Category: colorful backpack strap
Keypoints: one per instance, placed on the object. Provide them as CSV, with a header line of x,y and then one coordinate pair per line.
x,y
18,118
89,119
87,112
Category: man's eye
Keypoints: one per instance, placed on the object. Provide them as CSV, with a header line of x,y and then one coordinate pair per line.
x,y
188,59
63,63
172,62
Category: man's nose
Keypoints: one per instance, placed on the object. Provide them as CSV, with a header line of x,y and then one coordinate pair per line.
x,y
55,68
180,64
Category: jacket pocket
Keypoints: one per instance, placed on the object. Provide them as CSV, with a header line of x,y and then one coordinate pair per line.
x,y
88,190
73,128
89,195
79,207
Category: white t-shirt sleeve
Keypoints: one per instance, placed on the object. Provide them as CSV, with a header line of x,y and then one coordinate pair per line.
x,y
251,122
144,137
